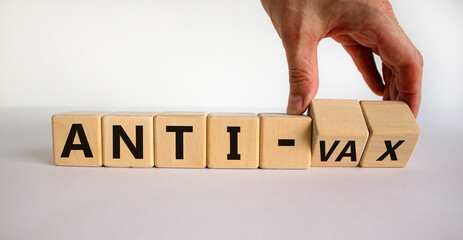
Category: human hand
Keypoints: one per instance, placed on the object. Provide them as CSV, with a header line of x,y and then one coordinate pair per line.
x,y
363,27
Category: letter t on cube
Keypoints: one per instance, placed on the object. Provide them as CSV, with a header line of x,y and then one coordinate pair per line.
x,y
180,139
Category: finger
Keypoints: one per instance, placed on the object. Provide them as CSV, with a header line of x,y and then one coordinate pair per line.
x,y
386,95
348,40
363,59
303,74
388,82
389,79
406,62
393,91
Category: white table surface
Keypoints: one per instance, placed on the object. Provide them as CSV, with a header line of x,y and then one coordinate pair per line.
x,y
39,200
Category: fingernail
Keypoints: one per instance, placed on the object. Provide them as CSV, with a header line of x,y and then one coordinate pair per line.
x,y
294,104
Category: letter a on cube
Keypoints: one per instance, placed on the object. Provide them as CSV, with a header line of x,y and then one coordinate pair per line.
x,y
77,138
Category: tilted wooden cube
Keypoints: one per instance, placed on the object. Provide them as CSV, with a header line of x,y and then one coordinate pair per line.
x,y
77,138
128,139
232,140
285,141
394,134
180,139
339,132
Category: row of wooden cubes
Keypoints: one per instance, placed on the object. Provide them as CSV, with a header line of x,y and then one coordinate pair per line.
x,y
345,133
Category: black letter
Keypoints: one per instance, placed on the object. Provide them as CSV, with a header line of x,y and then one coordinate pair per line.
x,y
137,151
390,150
233,155
179,130
322,150
352,154
76,128
286,142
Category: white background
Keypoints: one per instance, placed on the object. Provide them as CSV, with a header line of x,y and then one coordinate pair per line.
x,y
203,55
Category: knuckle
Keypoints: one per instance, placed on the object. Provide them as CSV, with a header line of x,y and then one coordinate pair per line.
x,y
413,61
299,76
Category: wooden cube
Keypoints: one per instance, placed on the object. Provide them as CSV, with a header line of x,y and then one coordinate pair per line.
x,y
180,139
77,138
128,139
394,134
285,141
232,140
339,132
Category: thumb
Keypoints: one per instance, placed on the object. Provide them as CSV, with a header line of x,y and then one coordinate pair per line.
x,y
303,75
